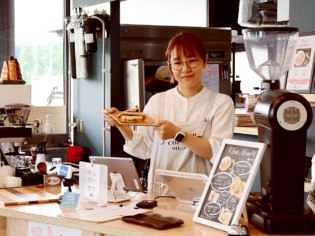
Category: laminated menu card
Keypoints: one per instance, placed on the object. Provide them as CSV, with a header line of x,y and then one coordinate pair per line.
x,y
300,74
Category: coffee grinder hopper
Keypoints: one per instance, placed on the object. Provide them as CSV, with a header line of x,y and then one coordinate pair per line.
x,y
282,119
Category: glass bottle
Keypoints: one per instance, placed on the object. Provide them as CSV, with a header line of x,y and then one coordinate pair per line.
x,y
48,126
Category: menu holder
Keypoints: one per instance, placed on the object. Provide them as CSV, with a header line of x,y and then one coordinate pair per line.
x,y
300,77
231,178
93,182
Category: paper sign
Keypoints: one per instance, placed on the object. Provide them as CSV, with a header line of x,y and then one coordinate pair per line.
x,y
70,200
210,77
64,171
301,71
52,180
40,229
92,182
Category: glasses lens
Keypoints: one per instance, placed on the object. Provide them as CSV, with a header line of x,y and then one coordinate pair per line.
x,y
177,65
193,63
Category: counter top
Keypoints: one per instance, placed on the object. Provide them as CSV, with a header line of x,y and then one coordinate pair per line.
x,y
246,130
19,216
310,98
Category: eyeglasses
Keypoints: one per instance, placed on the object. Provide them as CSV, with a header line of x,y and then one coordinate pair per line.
x,y
178,65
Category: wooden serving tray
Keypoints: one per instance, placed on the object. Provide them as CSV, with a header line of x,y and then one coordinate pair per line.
x,y
147,121
25,195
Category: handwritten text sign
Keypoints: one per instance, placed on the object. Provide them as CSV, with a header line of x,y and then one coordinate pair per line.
x,y
41,229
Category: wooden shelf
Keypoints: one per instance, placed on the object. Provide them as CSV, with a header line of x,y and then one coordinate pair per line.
x,y
310,98
246,130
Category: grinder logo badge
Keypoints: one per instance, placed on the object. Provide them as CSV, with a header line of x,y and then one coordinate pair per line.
x,y
291,115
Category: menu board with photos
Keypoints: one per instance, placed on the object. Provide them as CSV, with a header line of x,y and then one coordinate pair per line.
x,y
229,183
300,74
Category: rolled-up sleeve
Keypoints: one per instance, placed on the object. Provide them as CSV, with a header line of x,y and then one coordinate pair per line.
x,y
141,144
223,123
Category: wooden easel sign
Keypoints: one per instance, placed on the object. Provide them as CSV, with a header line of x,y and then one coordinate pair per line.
x,y
229,183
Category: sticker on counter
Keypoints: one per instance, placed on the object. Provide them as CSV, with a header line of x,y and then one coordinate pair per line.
x,y
70,200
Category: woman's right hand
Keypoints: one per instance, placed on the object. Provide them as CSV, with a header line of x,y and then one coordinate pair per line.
x,y
110,120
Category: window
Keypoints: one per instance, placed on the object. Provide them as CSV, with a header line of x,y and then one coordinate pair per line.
x,y
165,12
162,12
39,49
248,77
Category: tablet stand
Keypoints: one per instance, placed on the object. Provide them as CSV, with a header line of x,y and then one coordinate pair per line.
x,y
117,192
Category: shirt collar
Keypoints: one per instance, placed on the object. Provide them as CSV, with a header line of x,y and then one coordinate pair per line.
x,y
196,96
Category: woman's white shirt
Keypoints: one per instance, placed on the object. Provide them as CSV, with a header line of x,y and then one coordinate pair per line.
x,y
208,114
215,108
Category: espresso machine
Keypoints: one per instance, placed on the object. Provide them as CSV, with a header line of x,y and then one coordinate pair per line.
x,y
14,112
282,118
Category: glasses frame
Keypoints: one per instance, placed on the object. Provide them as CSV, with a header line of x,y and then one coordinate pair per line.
x,y
187,63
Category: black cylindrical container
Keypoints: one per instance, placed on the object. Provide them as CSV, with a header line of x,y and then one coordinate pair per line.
x,y
90,35
72,53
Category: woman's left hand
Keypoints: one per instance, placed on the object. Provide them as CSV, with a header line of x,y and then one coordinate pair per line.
x,y
166,129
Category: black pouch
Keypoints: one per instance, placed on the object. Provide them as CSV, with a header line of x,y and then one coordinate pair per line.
x,y
147,204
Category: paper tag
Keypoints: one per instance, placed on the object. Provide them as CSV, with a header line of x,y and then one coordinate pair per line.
x,y
65,171
89,38
52,180
70,200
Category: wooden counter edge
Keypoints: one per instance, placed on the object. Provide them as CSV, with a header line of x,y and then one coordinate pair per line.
x,y
69,223
246,130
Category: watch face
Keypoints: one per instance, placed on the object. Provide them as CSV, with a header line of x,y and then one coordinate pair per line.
x,y
179,137
291,115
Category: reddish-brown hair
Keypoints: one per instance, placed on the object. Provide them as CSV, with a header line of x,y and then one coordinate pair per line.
x,y
191,44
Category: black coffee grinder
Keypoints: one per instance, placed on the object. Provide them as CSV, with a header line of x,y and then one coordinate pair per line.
x,y
282,118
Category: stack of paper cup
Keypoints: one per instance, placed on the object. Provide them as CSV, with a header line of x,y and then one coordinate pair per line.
x,y
5,171
11,181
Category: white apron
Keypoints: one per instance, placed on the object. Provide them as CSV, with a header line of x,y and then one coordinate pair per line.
x,y
171,155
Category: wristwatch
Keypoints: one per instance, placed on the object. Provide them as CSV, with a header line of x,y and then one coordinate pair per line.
x,y
180,136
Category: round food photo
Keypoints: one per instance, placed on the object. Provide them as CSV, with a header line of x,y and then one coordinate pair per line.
x,y
225,163
302,57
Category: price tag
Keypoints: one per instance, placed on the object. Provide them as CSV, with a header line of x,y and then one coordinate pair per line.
x,y
41,229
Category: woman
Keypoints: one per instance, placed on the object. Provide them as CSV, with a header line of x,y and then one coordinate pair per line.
x,y
191,120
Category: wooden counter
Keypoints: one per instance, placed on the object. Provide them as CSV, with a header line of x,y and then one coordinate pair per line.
x,y
15,220
246,130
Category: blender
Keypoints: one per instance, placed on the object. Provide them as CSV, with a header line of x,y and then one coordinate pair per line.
x,y
282,118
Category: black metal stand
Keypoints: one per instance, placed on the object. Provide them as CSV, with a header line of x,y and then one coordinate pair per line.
x,y
260,216
66,183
